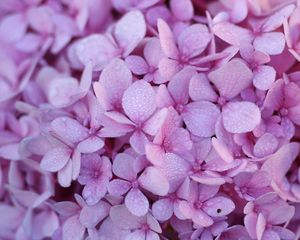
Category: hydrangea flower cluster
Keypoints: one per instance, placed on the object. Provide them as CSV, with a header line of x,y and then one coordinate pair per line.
x,y
150,119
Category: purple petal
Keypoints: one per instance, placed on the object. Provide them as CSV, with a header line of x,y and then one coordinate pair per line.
x,y
240,117
139,101
55,159
129,31
200,118
136,202
231,78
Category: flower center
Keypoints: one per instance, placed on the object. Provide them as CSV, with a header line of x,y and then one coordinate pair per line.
x,y
198,204
221,101
179,108
135,184
284,112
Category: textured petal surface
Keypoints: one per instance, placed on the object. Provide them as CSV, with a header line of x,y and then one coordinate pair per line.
x,y
240,117
231,78
136,202
200,118
55,159
139,101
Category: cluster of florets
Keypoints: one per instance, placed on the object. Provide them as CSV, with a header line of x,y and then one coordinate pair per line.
x,y
149,119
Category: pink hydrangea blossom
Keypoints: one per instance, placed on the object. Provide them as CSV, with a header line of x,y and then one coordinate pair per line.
x,y
149,119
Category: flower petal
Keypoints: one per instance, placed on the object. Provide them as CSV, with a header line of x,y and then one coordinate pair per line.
x,y
123,166
178,5
137,64
162,209
139,101
265,145
118,187
264,76
200,118
115,78
13,27
55,159
136,202
231,78
193,40
129,31
69,129
167,40
72,229
270,43
240,117
154,181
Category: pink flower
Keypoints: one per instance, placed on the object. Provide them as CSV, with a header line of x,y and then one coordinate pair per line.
x,y
126,168
201,204
264,214
145,227
95,174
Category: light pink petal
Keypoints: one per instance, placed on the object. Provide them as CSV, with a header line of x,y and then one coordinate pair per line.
x,y
13,27
90,216
180,140
200,89
231,78
55,159
259,179
123,166
129,31
167,40
136,235
62,90
90,145
177,7
179,85
276,20
115,79
66,208
175,169
137,64
153,224
281,215
168,68
193,40
154,181
69,129
265,145
29,43
270,43
152,236
163,97
139,101
263,77
136,202
96,48
94,191
155,122
162,209
202,219
76,164
153,52
154,153
40,19
64,175
200,118
270,235
232,34
274,98
72,229
240,117
119,118
284,233
294,114
186,210
118,187
122,218
250,221
10,151
222,150
280,162
260,226
138,141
